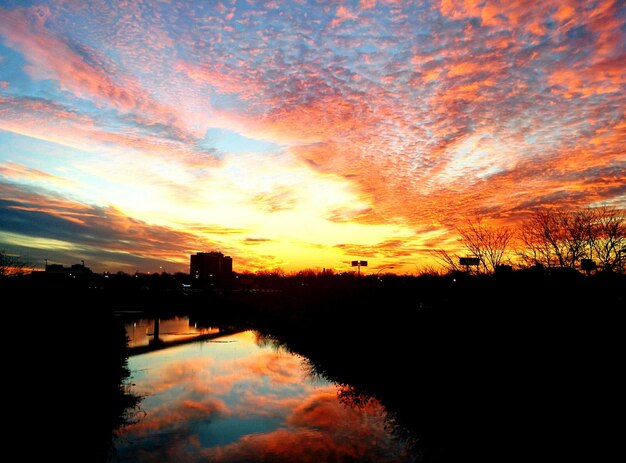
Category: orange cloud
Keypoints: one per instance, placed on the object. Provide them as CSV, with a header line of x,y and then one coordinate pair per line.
x,y
606,78
319,412
464,68
565,11
280,446
460,9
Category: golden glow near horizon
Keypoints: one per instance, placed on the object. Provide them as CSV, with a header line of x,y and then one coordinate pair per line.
x,y
300,135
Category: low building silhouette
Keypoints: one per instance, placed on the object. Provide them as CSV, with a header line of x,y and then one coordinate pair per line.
x,y
210,265
75,270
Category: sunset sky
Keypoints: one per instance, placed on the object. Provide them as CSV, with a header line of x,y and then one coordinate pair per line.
x,y
300,134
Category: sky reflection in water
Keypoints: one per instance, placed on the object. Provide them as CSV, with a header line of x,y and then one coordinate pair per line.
x,y
236,399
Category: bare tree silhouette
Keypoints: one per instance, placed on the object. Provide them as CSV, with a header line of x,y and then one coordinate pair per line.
x,y
488,244
449,261
11,264
607,238
561,238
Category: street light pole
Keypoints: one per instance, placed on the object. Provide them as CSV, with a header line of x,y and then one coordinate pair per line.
x,y
359,264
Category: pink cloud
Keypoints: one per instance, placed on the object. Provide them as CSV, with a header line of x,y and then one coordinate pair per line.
x,y
25,30
14,171
48,121
342,14
224,81
367,4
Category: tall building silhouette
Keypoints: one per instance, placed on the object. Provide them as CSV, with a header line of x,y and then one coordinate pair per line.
x,y
210,265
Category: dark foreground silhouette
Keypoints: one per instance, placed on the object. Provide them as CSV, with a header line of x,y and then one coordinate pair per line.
x,y
471,368
67,361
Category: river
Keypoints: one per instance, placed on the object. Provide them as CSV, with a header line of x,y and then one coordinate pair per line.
x,y
239,397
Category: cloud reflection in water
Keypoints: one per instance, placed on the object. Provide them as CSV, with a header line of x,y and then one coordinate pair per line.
x,y
247,401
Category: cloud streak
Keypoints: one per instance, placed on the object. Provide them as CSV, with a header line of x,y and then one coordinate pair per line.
x,y
104,235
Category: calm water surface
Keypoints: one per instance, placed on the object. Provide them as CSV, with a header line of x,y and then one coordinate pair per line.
x,y
239,398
